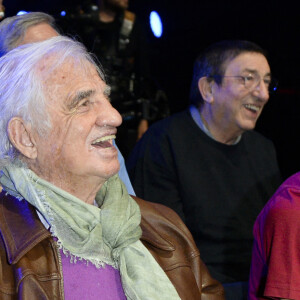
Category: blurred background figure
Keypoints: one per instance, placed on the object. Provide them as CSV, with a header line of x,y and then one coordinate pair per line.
x,y
115,35
2,9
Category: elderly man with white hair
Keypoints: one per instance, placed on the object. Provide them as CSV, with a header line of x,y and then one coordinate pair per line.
x,y
69,229
36,27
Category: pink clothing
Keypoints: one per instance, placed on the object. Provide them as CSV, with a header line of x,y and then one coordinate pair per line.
x,y
83,281
275,268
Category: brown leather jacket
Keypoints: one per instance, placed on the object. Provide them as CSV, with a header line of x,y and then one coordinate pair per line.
x,y
30,267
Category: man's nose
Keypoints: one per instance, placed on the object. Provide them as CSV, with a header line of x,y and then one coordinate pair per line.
x,y
108,116
262,91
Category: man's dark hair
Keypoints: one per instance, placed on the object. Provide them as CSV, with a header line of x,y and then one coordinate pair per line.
x,y
212,63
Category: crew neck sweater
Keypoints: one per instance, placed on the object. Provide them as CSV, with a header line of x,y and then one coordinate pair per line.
x,y
217,189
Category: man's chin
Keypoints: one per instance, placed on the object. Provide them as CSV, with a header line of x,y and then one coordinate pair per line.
x,y
249,126
112,170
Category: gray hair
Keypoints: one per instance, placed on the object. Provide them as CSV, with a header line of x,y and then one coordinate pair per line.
x,y
13,29
22,85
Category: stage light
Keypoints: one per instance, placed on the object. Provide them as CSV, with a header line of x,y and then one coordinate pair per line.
x,y
156,24
63,13
22,12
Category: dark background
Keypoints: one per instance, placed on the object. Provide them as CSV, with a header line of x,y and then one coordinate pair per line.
x,y
191,25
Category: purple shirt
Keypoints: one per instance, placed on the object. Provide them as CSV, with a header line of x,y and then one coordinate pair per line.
x,y
82,281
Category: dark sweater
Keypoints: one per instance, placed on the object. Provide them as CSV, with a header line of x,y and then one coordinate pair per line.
x,y
217,189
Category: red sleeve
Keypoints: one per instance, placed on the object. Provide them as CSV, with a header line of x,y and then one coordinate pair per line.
x,y
277,246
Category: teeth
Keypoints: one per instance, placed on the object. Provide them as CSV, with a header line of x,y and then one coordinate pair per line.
x,y
104,138
252,107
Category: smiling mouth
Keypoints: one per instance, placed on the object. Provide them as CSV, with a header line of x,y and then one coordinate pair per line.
x,y
104,142
252,107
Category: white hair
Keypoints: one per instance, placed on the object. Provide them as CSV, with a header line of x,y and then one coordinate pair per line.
x,y
22,85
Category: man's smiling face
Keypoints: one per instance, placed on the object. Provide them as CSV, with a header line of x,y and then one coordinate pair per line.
x,y
78,148
236,107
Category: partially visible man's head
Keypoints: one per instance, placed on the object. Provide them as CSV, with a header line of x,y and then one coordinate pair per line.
x,y
55,114
27,28
114,5
212,63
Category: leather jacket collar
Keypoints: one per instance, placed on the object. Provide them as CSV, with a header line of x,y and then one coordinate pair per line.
x,y
21,229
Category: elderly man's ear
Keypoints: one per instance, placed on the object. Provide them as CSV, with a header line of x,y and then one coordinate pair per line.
x,y
21,137
206,89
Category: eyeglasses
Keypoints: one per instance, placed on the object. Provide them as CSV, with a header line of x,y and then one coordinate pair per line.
x,y
251,81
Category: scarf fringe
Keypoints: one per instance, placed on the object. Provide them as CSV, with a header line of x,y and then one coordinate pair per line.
x,y
74,258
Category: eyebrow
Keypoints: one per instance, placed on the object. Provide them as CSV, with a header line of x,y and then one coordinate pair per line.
x,y
78,97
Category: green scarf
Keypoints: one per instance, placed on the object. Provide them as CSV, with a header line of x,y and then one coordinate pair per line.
x,y
105,235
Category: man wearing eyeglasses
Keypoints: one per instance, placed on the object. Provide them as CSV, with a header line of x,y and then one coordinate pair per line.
x,y
208,163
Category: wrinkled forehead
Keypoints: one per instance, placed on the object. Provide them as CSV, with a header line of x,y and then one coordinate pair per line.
x,y
50,66
59,80
56,75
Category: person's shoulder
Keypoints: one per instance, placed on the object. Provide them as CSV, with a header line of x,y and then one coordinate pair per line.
x,y
154,211
289,190
292,182
174,121
284,205
165,221
257,142
172,245
252,135
161,134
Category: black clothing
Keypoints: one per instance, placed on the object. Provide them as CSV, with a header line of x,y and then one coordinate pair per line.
x,y
217,189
